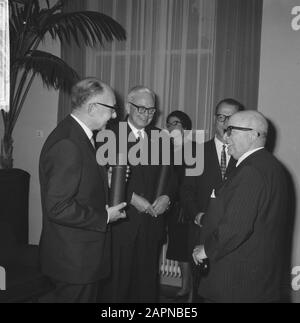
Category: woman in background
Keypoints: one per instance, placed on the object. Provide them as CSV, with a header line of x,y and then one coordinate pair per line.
x,y
178,221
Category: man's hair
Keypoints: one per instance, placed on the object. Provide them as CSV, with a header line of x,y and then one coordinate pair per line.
x,y
239,106
138,89
183,117
83,90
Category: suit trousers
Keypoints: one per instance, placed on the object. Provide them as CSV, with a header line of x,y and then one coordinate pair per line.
x,y
135,271
71,293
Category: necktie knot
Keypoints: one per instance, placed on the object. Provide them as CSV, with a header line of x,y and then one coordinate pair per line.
x,y
139,135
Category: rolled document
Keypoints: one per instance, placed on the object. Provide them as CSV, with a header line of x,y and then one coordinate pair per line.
x,y
117,190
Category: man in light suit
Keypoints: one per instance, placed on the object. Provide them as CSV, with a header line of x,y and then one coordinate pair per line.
x,y
75,240
244,229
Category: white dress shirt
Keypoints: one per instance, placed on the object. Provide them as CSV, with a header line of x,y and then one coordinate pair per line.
x,y
136,131
219,147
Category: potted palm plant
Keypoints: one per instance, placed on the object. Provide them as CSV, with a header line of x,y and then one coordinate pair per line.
x,y
30,22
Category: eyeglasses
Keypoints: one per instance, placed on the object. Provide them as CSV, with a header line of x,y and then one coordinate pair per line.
x,y
143,110
113,107
174,123
230,128
222,117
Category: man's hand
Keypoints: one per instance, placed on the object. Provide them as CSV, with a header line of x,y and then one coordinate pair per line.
x,y
198,219
161,204
115,213
142,205
199,254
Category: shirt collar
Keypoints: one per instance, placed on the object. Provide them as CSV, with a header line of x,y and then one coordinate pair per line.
x,y
135,130
86,129
219,143
247,154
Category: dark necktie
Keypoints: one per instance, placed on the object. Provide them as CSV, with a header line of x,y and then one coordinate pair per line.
x,y
139,135
223,162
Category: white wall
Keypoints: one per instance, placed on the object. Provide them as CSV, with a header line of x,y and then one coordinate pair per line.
x,y
39,113
279,95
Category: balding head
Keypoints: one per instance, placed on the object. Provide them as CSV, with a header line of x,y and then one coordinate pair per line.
x,y
93,102
251,135
251,119
86,88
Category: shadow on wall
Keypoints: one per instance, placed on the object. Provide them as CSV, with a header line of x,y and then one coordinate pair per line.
x,y
270,146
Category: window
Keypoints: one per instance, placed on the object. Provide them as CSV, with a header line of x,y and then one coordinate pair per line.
x,y
4,55
169,48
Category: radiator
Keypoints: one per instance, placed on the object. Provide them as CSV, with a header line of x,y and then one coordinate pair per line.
x,y
169,269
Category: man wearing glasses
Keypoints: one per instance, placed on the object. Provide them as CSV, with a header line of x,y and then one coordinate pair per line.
x,y
244,231
137,240
217,165
75,242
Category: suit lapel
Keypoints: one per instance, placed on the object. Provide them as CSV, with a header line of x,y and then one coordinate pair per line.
x,y
215,159
83,138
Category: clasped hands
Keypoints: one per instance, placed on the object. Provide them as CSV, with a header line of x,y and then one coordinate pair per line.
x,y
160,205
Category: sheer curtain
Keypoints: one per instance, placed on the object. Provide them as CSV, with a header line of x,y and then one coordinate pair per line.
x,y
4,55
169,48
238,36
74,56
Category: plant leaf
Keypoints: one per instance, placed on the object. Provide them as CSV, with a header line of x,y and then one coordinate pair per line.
x,y
92,27
54,72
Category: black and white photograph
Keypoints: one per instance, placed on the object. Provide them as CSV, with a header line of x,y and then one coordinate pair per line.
x,y
150,154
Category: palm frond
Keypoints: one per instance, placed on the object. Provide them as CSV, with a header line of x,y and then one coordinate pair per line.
x,y
22,2
91,27
54,72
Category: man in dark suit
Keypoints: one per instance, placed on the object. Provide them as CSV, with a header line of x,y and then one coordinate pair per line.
x,y
75,240
244,229
137,239
197,190
217,165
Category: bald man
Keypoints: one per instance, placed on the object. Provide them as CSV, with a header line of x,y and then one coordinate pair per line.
x,y
244,230
75,240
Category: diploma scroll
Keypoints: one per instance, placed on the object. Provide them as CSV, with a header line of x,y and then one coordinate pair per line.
x,y
117,193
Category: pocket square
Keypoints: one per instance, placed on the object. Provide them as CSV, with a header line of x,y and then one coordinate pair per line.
x,y
213,196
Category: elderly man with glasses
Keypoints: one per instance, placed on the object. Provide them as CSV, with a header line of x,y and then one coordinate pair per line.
x,y
244,231
217,165
75,241
137,240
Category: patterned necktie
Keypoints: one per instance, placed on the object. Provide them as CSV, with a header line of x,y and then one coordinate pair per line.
x,y
138,139
223,162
